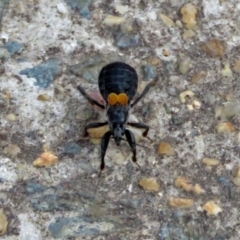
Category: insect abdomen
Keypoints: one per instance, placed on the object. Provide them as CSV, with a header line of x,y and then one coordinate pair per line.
x,y
118,78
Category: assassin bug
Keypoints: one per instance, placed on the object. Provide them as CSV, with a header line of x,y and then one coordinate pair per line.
x,y
117,83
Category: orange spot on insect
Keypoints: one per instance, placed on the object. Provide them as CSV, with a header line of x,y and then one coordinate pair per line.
x,y
123,99
112,99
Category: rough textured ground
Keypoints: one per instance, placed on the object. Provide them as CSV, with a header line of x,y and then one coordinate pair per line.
x,y
47,48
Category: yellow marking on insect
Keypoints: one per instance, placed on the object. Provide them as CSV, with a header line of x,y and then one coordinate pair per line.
x,y
121,98
112,99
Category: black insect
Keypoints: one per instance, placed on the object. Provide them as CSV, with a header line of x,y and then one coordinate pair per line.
x,y
118,85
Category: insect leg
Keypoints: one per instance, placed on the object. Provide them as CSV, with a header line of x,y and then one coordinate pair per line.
x,y
141,126
94,125
146,89
131,141
90,100
104,145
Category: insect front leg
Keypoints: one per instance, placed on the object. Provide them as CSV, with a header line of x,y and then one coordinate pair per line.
x,y
131,141
90,100
141,126
104,145
146,89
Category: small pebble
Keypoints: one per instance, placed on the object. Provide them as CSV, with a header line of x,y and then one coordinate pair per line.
x,y
211,161
3,223
189,13
167,21
226,71
182,182
236,66
225,127
12,150
11,117
117,157
126,40
43,97
149,184
214,48
122,9
46,159
111,20
180,202
165,148
188,34
211,208
236,176
13,47
150,72
199,76
185,65
4,54
155,61
186,94
61,8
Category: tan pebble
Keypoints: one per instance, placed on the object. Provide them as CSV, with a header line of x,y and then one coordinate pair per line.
x,y
165,53
236,176
198,76
186,94
214,48
219,111
118,158
211,208
225,127
12,150
46,159
167,21
236,66
180,202
182,182
226,71
155,61
11,117
111,20
189,12
97,132
190,107
236,172
211,161
43,97
185,65
122,9
165,148
3,223
188,34
196,104
198,189
149,184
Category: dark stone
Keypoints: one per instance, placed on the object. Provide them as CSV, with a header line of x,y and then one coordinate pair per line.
x,y
13,47
80,6
126,40
71,148
44,73
150,72
34,187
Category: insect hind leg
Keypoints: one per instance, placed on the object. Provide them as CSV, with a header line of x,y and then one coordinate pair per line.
x,y
90,100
